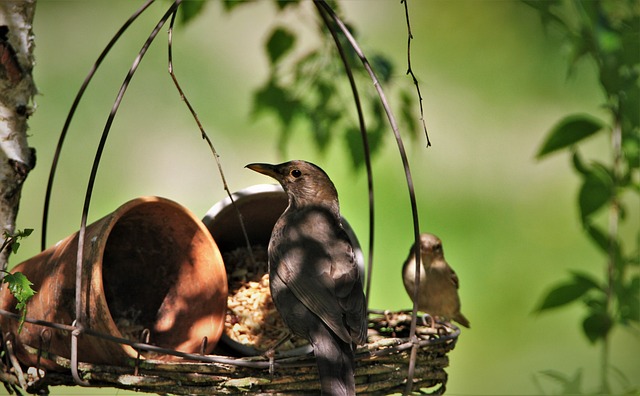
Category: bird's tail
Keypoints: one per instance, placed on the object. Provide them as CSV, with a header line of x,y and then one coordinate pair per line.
x,y
335,362
460,318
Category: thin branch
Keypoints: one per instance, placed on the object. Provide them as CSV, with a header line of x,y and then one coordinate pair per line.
x,y
74,106
410,70
206,138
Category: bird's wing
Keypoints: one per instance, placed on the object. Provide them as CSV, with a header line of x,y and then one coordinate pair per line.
x,y
348,288
318,265
454,278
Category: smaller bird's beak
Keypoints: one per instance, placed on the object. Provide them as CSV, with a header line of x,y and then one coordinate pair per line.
x,y
265,169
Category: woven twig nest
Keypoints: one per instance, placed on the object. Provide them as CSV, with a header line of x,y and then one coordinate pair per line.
x,y
381,367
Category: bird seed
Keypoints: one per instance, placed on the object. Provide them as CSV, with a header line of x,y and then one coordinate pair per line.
x,y
252,318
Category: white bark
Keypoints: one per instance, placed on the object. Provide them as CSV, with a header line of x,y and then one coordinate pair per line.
x,y
17,90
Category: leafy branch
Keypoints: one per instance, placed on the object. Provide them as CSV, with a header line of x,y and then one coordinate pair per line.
x,y
309,89
18,284
607,33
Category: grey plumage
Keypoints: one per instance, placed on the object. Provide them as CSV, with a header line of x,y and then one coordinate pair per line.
x,y
314,278
438,282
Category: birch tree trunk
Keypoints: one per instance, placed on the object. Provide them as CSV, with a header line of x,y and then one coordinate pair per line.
x,y
17,90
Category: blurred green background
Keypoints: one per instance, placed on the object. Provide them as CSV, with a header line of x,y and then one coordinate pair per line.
x,y
493,84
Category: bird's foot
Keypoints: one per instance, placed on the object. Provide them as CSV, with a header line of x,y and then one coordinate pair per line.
x,y
429,320
271,352
271,355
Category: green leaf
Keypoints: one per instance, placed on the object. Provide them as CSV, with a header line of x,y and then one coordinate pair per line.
x,y
629,301
280,42
631,149
598,236
569,131
602,240
595,192
353,139
586,280
277,100
382,67
280,102
609,41
570,385
578,163
326,91
596,302
354,145
14,247
307,65
26,232
547,11
190,9
12,239
230,5
323,121
597,325
282,4
20,287
566,293
408,113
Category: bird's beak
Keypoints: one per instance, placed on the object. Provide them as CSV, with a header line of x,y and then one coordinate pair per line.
x,y
265,169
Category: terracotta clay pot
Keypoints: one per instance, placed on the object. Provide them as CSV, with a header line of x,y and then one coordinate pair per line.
x,y
260,206
151,264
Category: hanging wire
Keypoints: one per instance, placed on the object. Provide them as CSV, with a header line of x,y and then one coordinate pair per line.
x,y
72,111
405,165
365,144
94,170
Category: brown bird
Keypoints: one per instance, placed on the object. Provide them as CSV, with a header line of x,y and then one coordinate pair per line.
x,y
314,279
438,282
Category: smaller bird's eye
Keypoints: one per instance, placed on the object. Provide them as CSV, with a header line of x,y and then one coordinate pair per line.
x,y
296,173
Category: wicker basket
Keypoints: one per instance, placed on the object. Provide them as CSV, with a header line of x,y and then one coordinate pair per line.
x,y
381,367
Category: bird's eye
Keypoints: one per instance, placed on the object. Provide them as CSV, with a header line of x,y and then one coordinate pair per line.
x,y
296,173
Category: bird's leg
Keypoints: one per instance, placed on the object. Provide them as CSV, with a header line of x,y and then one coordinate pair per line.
x,y
271,352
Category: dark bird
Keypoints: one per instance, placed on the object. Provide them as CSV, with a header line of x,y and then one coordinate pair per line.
x,y
314,278
438,282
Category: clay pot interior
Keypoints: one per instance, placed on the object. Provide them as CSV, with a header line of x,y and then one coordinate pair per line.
x,y
260,205
153,279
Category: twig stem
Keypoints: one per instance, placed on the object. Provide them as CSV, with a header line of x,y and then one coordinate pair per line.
x,y
206,138
410,70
